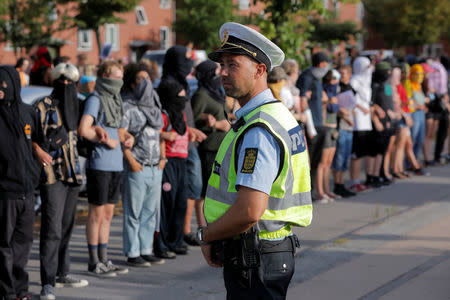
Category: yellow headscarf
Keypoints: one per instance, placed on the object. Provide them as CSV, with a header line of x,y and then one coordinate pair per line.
x,y
416,77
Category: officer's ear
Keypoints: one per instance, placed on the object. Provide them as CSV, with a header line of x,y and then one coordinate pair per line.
x,y
261,70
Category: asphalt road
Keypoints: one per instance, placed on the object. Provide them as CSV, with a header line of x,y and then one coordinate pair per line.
x,y
391,243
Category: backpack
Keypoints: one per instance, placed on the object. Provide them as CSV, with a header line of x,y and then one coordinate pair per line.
x,y
85,146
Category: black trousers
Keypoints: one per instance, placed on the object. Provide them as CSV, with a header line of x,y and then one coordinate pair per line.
x,y
173,205
59,201
269,281
441,135
16,238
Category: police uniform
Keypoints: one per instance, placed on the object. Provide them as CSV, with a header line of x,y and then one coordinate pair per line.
x,y
264,151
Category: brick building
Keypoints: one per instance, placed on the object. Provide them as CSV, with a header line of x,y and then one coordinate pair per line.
x,y
148,26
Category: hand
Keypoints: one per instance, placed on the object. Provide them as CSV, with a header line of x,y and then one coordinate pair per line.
x,y
43,157
206,250
343,112
101,133
210,120
170,136
391,114
198,135
112,143
136,167
129,142
2,94
380,112
162,163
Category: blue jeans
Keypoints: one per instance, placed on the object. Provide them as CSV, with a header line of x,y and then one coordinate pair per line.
x,y
418,131
341,158
141,209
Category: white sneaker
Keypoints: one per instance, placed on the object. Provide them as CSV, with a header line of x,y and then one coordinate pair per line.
x,y
69,281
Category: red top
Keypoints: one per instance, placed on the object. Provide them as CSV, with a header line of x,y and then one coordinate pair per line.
x,y
403,97
178,147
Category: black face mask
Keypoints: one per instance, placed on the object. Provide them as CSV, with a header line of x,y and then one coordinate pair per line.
x,y
8,90
68,103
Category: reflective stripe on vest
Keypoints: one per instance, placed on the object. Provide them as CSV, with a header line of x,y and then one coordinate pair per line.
x,y
290,197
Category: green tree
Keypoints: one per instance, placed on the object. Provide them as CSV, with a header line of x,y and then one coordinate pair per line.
x,y
26,23
198,21
92,14
408,22
332,31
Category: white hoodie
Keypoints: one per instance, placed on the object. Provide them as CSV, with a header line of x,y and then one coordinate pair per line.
x,y
361,82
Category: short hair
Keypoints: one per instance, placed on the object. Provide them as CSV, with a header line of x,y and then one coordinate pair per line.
x,y
276,75
130,73
106,67
289,66
67,70
20,62
347,67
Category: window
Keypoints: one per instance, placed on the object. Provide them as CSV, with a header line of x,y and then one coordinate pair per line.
x,y
244,4
165,4
432,50
112,36
8,47
84,40
141,16
325,4
164,37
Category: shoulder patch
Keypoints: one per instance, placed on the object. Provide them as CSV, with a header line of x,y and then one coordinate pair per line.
x,y
248,166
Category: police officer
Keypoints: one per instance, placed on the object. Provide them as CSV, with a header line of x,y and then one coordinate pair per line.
x,y
260,184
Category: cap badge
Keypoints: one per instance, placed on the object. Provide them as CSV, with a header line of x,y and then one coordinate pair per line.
x,y
225,38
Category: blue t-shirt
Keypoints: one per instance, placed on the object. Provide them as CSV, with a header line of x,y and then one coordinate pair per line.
x,y
103,158
267,162
306,82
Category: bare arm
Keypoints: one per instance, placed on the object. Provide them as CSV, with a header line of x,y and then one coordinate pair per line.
x,y
223,125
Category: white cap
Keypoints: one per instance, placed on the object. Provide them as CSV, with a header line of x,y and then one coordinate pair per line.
x,y
240,39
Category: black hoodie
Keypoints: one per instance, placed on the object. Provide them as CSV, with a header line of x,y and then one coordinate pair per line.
x,y
19,171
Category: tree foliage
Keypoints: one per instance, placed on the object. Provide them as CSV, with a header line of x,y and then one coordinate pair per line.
x,y
26,23
408,22
330,31
199,21
92,14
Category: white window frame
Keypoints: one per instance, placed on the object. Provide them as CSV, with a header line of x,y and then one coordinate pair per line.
x,y
164,4
116,42
244,4
81,44
141,15
164,43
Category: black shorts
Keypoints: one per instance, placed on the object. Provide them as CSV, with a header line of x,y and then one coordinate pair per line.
x,y
379,142
361,143
103,187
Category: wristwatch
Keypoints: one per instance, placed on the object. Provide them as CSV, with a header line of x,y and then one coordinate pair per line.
x,y
200,236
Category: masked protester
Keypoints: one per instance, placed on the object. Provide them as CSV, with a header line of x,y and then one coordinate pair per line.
x,y
176,185
208,105
100,124
41,71
144,165
61,179
19,176
418,129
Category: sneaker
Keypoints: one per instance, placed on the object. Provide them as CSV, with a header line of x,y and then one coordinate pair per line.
x,y
115,268
181,250
100,270
138,262
69,281
153,259
359,188
166,254
343,192
24,297
47,293
191,239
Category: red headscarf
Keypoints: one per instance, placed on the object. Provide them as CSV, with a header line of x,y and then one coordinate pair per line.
x,y
43,59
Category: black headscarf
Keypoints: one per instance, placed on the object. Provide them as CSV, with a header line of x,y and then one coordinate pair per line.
x,y
9,105
177,65
173,104
207,78
68,103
